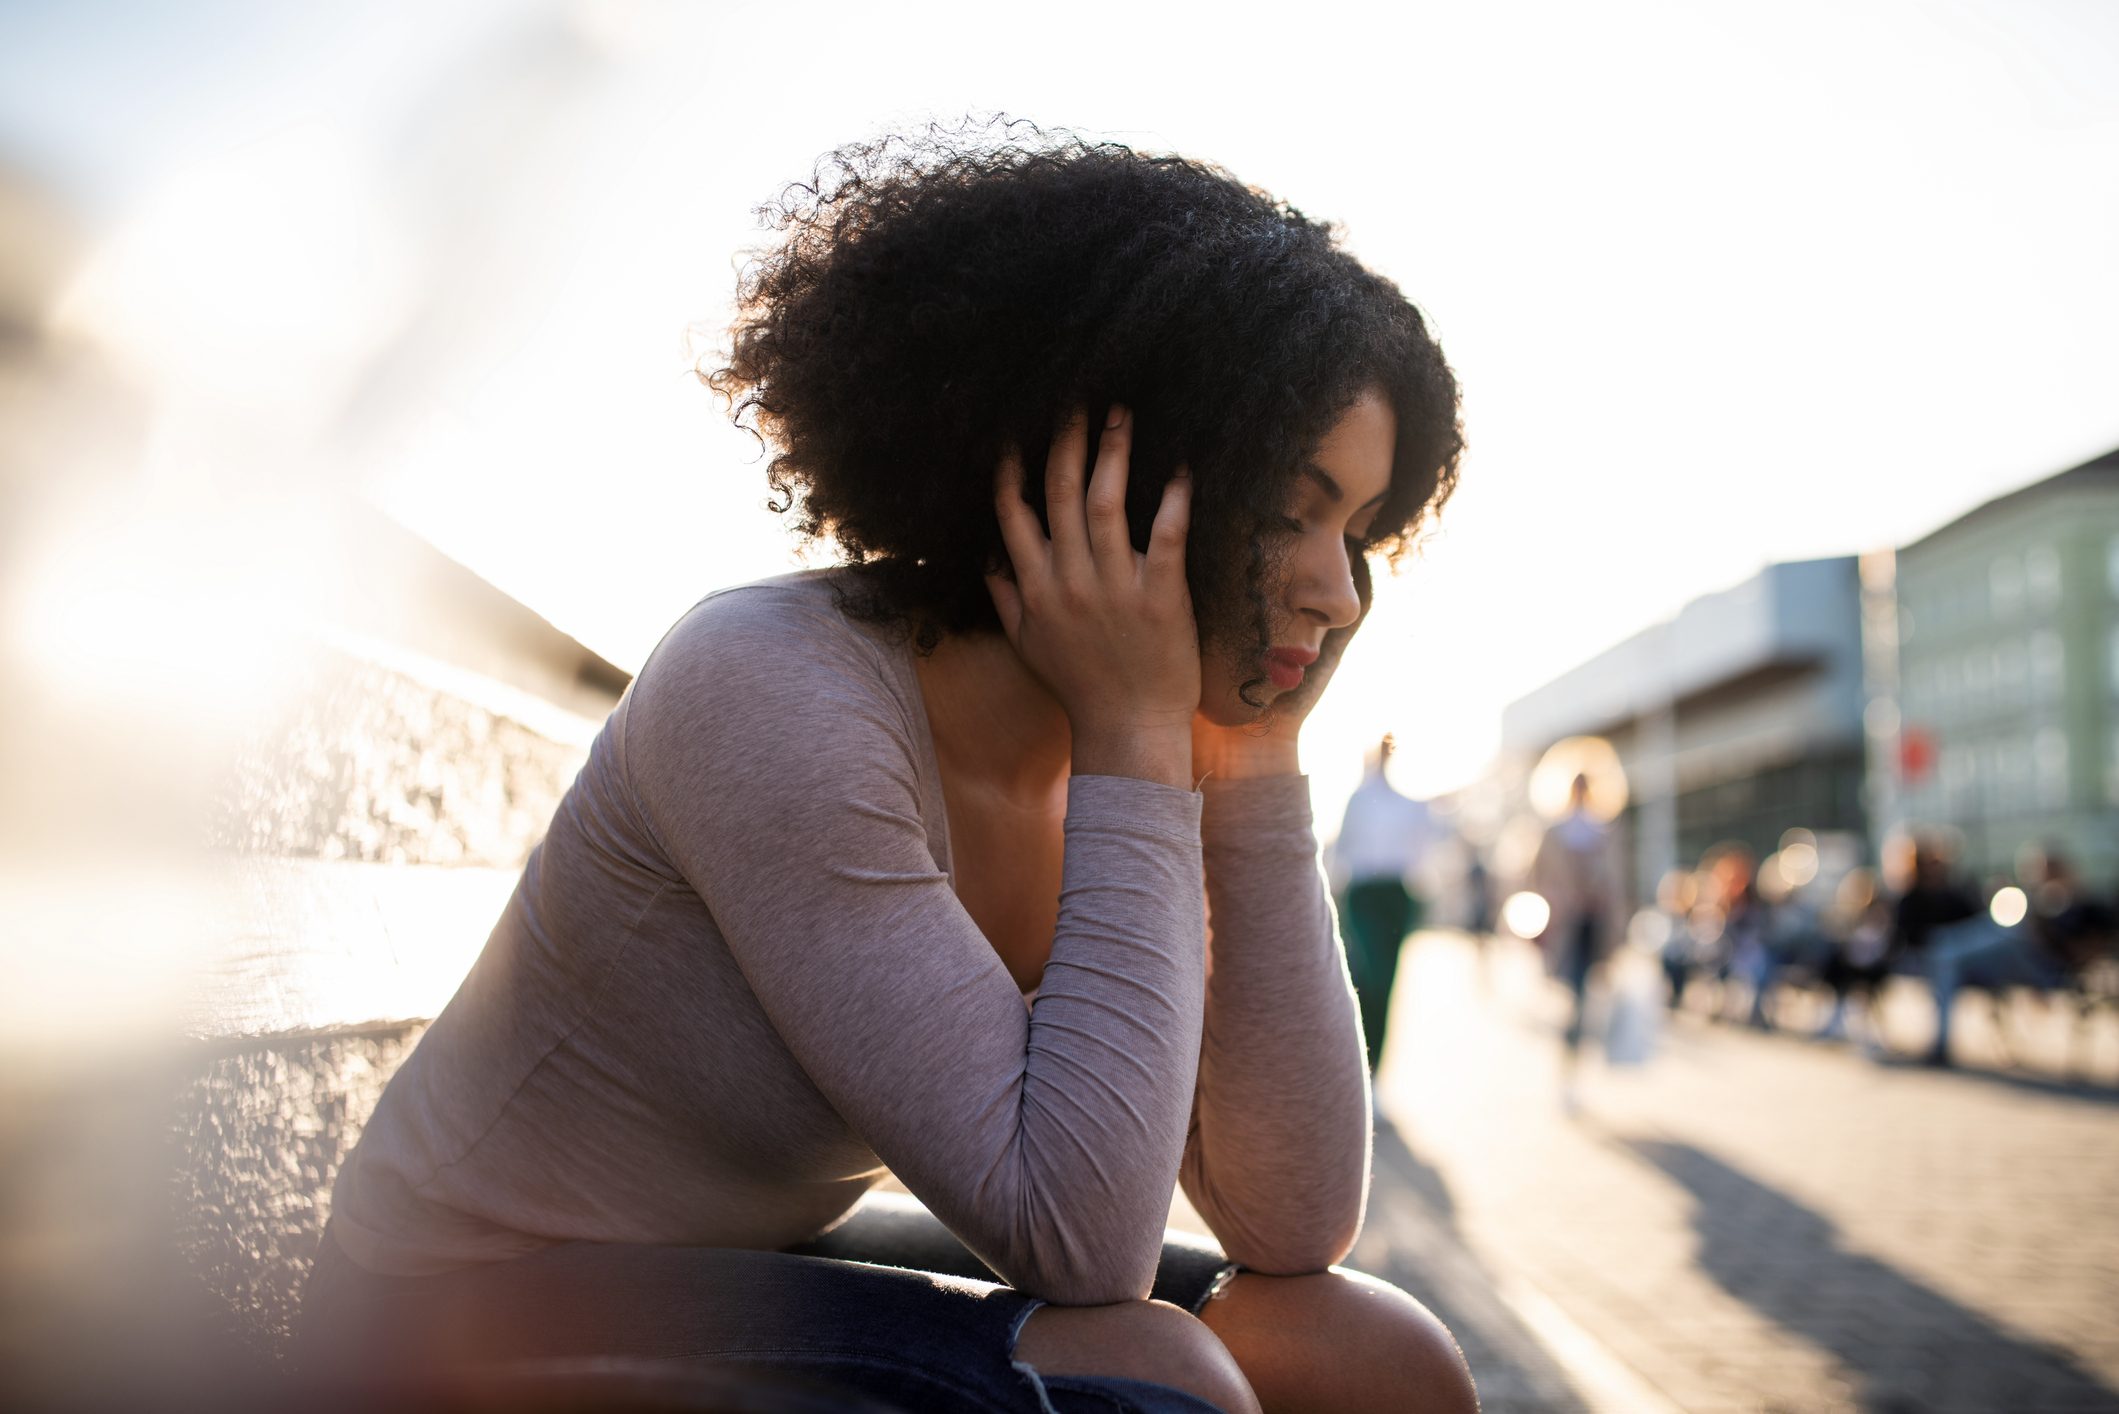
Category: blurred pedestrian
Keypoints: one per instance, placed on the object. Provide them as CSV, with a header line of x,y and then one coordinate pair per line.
x,y
1676,895
1859,925
1739,955
1933,898
1479,920
2059,934
1383,840
1478,898
1576,871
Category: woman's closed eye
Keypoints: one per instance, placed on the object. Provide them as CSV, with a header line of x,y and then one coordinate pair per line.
x,y
1357,543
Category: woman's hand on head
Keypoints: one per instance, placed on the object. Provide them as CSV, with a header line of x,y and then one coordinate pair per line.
x,y
1108,629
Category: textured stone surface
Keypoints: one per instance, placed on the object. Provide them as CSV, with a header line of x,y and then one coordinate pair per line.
x,y
258,1132
364,762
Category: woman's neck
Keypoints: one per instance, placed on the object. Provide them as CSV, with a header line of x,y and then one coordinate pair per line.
x,y
993,721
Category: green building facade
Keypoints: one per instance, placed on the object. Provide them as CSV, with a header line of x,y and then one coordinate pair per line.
x,y
2007,713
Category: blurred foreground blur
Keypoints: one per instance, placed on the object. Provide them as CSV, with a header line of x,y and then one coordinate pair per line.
x,y
228,918
272,764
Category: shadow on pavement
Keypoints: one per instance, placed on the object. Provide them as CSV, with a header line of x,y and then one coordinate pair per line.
x,y
1396,1161
1908,1346
2095,1092
1411,1209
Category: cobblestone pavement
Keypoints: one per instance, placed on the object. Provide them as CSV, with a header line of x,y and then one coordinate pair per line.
x,y
1749,1222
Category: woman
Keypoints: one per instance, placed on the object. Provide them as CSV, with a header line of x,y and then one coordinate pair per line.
x,y
1576,870
902,865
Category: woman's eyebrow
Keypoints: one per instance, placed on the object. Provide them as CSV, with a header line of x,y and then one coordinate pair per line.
x,y
1331,487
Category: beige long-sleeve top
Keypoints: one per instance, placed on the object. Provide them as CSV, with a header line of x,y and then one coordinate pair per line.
x,y
734,985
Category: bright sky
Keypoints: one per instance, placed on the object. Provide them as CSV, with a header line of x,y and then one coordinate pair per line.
x,y
1724,284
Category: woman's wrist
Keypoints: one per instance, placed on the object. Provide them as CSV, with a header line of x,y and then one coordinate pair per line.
x,y
1161,754
1245,758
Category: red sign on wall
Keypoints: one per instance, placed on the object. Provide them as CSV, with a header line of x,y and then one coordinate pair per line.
x,y
1916,754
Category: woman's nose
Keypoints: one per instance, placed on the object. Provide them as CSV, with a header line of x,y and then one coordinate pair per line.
x,y
1325,592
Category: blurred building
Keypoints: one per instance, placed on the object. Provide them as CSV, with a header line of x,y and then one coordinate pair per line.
x,y
1739,719
2008,674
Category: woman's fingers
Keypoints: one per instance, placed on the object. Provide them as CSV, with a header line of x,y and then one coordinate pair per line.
x,y
1008,604
1166,538
1064,470
1020,532
1089,534
1107,494
1110,633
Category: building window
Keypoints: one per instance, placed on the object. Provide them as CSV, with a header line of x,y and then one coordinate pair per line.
x,y
1978,679
1957,772
2111,565
2048,666
2051,755
2113,656
2014,668
2005,587
2041,576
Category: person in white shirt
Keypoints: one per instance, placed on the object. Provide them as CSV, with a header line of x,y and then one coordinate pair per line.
x,y
1383,839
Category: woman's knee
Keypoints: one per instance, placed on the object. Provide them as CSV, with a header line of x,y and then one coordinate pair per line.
x,y
1151,1341
1340,1341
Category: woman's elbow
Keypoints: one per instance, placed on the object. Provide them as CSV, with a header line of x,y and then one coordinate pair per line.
x,y
1072,1273
1293,1248
1084,1290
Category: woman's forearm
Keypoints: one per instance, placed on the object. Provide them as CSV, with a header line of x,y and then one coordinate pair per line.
x,y
1278,1161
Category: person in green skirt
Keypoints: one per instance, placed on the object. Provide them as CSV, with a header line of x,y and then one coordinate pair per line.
x,y
1383,839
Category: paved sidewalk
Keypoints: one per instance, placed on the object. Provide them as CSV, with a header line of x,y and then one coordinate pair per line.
x,y
1749,1223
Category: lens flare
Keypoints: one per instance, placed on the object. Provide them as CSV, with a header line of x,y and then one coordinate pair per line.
x,y
1798,863
1526,914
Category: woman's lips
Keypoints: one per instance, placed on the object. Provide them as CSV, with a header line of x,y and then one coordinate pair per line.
x,y
1285,666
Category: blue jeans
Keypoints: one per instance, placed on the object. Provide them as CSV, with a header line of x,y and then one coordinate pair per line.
x,y
885,1306
1981,953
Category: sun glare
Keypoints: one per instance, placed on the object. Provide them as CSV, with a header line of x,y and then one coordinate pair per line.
x,y
1526,914
1592,756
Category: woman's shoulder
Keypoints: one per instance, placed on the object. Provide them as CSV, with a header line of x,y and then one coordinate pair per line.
x,y
771,650
804,598
790,619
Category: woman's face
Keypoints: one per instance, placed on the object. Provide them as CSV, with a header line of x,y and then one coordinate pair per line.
x,y
1331,510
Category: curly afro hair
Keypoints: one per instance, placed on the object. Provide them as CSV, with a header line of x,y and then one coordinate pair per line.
x,y
933,300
